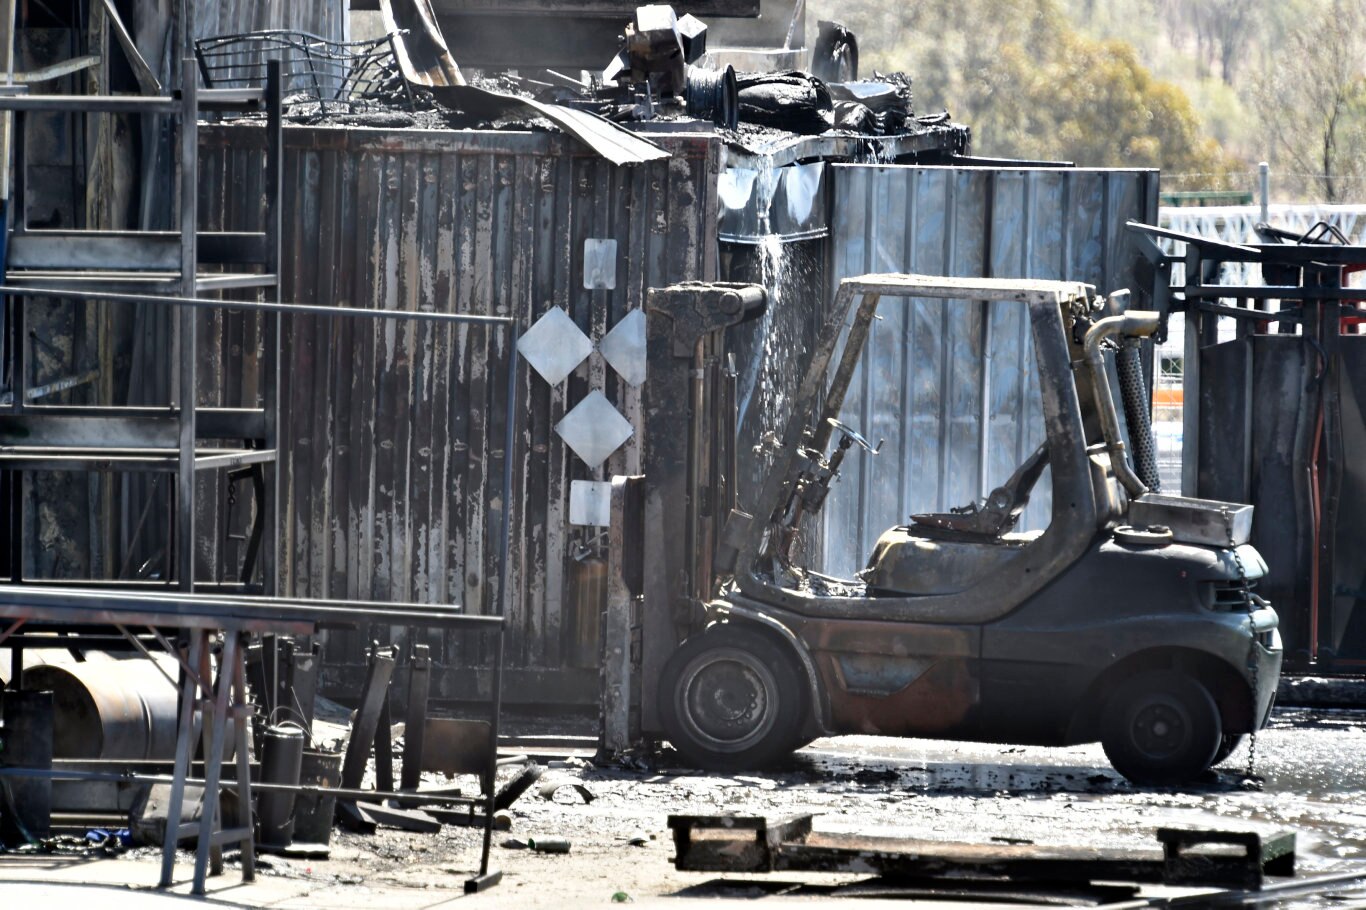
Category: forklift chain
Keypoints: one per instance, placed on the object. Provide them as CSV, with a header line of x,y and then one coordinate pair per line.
x,y
1250,772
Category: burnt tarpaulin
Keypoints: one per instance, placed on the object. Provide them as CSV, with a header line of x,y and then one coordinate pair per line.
x,y
879,107
793,101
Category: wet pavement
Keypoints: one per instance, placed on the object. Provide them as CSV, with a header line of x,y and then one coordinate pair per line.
x,y
1310,779
1309,775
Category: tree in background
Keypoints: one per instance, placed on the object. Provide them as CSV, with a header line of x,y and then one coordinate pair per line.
x,y
1223,31
1094,101
1313,105
1031,86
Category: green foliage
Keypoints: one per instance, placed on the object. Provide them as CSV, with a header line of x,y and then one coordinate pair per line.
x,y
1202,88
1032,86
1093,101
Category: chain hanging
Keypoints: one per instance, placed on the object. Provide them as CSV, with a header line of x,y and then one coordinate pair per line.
x,y
1250,772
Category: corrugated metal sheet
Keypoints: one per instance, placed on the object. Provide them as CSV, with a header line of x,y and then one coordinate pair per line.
x,y
951,388
324,18
391,431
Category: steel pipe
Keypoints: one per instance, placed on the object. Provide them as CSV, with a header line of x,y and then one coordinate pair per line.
x,y
174,604
306,309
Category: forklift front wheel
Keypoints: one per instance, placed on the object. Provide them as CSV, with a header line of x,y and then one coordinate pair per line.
x,y
1161,728
1228,743
731,699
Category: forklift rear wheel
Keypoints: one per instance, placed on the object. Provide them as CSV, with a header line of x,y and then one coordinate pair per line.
x,y
731,699
1161,728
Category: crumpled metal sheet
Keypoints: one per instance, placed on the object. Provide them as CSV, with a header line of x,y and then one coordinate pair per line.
x,y
425,60
615,143
421,48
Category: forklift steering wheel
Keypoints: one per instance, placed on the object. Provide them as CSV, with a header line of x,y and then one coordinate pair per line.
x,y
852,434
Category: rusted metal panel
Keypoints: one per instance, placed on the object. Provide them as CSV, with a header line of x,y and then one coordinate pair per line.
x,y
952,388
391,433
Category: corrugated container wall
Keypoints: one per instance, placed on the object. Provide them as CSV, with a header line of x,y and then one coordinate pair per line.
x,y
324,18
391,430
952,388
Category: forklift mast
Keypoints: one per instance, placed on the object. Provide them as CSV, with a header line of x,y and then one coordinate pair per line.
x,y
689,459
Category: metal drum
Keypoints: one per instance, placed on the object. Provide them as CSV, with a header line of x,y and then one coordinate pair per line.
x,y
281,759
108,709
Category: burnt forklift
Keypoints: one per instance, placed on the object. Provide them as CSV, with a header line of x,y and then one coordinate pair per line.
x,y
1130,619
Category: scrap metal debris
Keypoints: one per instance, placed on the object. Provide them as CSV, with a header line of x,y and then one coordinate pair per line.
x,y
96,842
409,78
337,77
548,844
513,789
422,54
615,143
550,789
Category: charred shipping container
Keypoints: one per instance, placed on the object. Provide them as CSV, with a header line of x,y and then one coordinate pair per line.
x,y
385,480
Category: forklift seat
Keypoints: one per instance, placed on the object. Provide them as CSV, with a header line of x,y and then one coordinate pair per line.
x,y
921,561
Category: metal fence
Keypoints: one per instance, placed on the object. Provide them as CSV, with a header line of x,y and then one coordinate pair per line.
x,y
330,76
950,387
383,486
1232,224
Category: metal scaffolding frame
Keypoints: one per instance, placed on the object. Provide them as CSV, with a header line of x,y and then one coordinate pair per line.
x,y
163,268
144,267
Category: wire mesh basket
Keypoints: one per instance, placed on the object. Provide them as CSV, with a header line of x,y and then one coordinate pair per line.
x,y
336,76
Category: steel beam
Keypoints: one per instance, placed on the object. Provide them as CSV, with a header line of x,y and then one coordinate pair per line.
x,y
373,699
130,250
414,730
306,309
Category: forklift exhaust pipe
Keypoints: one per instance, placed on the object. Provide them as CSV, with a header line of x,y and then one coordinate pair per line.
x,y
1133,396
1134,324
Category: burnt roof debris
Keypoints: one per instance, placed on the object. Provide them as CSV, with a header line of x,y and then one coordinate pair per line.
x,y
423,56
662,79
880,107
332,77
652,51
834,57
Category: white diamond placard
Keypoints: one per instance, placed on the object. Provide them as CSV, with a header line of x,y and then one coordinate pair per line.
x,y
624,347
594,429
554,346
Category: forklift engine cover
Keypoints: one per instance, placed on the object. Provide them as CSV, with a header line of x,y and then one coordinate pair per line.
x,y
1131,618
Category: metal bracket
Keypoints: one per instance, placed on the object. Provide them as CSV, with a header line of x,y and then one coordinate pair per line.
x,y
696,309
